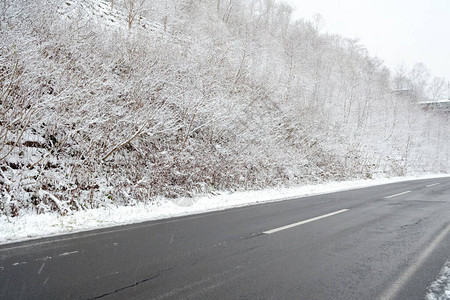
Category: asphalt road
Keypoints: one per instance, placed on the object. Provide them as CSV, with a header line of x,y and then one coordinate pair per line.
x,y
383,242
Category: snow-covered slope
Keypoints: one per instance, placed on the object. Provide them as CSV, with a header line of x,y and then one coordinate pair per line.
x,y
116,106
103,14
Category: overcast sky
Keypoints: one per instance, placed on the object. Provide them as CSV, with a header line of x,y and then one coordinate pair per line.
x,y
397,31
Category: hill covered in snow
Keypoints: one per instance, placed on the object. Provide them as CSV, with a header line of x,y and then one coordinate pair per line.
x,y
117,102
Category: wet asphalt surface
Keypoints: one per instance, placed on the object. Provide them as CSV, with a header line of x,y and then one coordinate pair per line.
x,y
390,243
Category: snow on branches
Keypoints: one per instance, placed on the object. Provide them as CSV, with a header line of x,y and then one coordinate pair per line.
x,y
117,102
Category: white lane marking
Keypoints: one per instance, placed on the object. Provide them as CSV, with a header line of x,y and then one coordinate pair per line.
x,y
113,273
68,253
41,268
44,258
304,222
392,196
19,263
430,185
395,288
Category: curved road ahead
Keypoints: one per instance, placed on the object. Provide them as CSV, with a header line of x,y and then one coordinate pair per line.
x,y
383,242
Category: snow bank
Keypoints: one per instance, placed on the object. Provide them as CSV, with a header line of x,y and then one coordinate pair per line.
x,y
30,225
440,289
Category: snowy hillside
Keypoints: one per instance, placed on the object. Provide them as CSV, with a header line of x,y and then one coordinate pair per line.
x,y
110,17
116,103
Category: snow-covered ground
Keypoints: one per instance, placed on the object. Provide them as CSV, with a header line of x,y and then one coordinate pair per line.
x,y
31,226
440,289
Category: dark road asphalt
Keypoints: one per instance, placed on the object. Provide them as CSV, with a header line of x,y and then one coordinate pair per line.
x,y
383,242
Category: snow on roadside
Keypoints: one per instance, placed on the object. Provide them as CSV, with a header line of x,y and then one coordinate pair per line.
x,y
31,225
440,289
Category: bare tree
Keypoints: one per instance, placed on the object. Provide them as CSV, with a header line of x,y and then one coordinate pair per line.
x,y
134,9
437,88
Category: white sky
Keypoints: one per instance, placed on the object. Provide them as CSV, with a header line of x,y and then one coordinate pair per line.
x,y
396,31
